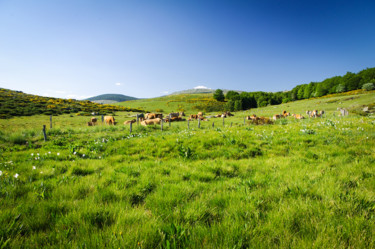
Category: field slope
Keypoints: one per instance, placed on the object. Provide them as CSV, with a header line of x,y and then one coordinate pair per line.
x,y
294,184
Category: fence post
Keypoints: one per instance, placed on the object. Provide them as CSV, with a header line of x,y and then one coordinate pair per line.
x,y
199,122
230,124
102,119
169,119
213,124
223,122
44,133
137,119
50,121
244,120
188,124
131,126
161,124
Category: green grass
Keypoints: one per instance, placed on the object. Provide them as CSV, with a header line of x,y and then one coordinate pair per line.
x,y
295,184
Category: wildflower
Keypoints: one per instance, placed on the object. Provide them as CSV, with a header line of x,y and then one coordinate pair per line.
x,y
34,167
32,154
41,172
16,175
74,152
83,155
37,154
49,152
58,153
1,172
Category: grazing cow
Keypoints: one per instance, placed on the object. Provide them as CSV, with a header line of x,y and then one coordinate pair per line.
x,y
228,114
173,119
151,121
286,114
252,117
93,121
308,113
174,114
314,113
200,113
130,122
193,116
298,116
110,120
321,113
182,114
141,117
277,116
90,124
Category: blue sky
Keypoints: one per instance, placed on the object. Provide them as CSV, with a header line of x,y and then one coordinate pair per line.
x,y
141,48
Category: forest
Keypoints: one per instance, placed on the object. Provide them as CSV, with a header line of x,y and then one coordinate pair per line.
x,y
365,80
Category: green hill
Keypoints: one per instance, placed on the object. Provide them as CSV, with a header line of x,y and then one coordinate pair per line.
x,y
17,103
105,98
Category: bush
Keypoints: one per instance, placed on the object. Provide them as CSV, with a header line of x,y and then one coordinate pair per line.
x,y
17,139
368,86
340,88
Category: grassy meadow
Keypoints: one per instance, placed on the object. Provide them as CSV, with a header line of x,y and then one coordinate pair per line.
x,y
294,184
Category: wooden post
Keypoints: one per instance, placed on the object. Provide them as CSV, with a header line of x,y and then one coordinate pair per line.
x,y
50,121
102,118
131,126
169,119
188,124
161,124
244,120
223,122
230,124
213,124
137,119
199,122
44,133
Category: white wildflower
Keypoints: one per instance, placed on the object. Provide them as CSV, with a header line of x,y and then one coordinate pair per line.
x,y
75,152
16,175
83,155
32,154
49,152
1,172
58,153
34,167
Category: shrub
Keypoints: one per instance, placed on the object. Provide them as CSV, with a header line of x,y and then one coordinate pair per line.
x,y
368,86
17,139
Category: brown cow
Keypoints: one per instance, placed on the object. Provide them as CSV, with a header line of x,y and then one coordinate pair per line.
x,y
130,122
151,121
110,120
90,124
277,116
193,116
93,121
298,116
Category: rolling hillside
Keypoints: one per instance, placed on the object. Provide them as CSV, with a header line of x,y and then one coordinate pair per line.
x,y
17,103
110,98
294,184
192,103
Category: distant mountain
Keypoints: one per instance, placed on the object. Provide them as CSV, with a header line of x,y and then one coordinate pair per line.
x,y
110,98
201,90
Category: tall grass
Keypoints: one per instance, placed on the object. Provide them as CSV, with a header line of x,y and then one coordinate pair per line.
x,y
294,184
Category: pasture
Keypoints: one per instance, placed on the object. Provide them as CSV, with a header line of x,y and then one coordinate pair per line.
x,y
294,184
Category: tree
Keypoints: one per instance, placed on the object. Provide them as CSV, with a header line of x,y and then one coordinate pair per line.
x,y
219,95
238,105
340,88
368,86
232,95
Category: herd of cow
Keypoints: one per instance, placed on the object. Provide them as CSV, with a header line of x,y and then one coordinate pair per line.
x,y
157,118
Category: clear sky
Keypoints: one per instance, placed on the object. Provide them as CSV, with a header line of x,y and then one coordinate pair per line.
x,y
144,48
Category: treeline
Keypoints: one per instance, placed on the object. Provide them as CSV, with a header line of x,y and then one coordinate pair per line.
x,y
365,79
17,103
